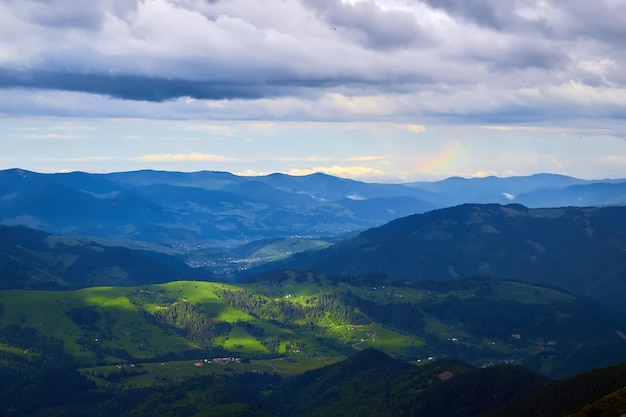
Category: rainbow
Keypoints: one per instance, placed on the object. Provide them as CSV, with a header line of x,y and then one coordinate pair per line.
x,y
442,161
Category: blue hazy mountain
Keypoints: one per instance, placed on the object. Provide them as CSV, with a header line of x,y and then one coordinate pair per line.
x,y
457,190
326,187
593,194
169,207
174,208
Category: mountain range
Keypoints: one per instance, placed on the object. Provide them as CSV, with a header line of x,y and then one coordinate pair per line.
x,y
310,295
176,209
229,225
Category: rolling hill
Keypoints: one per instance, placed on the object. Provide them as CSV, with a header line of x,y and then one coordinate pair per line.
x,y
31,259
372,384
301,316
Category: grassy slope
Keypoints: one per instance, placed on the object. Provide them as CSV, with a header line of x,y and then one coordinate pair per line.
x,y
122,334
259,252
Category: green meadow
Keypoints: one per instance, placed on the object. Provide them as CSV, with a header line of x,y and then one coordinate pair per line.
x,y
152,334
148,374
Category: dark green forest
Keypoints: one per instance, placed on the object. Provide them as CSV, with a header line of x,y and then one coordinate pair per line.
x,y
369,383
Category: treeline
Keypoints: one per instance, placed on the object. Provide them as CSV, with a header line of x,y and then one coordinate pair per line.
x,y
195,326
372,384
271,342
311,313
184,319
217,396
87,318
49,349
367,384
39,376
402,316
566,396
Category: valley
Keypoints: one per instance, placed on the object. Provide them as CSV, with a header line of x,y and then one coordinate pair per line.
x,y
157,289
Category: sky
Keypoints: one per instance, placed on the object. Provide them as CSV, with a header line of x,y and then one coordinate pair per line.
x,y
374,90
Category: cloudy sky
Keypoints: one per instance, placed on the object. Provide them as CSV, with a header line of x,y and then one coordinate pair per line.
x,y
377,90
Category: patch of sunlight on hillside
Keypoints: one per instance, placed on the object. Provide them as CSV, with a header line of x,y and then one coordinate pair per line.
x,y
232,315
195,291
239,340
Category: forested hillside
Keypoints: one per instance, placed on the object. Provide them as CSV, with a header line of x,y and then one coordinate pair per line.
x,y
31,259
582,250
368,383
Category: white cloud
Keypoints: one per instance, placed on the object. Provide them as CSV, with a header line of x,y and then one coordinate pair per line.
x,y
252,173
341,171
477,174
413,128
367,158
303,159
51,136
188,157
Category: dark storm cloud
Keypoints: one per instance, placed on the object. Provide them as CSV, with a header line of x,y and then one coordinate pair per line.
x,y
130,87
127,87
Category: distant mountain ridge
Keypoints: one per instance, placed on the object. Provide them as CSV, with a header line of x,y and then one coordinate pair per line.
x,y
170,208
174,208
